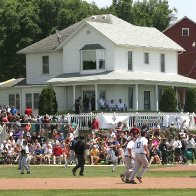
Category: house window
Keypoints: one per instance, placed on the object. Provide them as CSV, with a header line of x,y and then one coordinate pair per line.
x,y
93,59
130,60
29,100
32,100
146,58
185,31
162,62
45,64
130,97
35,100
14,100
147,100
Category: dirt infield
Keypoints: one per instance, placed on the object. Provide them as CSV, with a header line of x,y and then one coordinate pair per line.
x,y
102,183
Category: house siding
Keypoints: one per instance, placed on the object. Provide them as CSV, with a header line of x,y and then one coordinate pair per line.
x,y
34,67
71,50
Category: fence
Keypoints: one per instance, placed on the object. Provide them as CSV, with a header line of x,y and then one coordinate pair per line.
x,y
83,121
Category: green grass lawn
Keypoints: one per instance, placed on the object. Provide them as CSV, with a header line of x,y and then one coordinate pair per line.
x,y
92,171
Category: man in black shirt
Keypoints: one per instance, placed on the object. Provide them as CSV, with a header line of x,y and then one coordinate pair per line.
x,y
80,154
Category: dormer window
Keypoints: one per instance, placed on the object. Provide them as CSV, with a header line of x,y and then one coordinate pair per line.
x,y
93,57
45,64
185,32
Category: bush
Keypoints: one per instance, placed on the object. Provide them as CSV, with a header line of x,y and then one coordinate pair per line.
x,y
190,104
47,102
168,102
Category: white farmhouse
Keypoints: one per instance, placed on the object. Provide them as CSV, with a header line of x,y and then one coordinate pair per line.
x,y
102,56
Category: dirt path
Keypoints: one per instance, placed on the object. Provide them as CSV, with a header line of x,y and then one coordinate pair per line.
x,y
102,183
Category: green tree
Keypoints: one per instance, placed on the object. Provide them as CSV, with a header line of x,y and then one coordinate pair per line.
x,y
168,102
190,104
47,101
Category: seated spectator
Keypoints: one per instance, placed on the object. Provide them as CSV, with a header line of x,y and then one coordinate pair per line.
x,y
121,106
38,154
94,155
57,153
154,157
47,148
112,106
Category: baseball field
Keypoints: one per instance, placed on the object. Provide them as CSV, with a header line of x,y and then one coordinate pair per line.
x,y
98,180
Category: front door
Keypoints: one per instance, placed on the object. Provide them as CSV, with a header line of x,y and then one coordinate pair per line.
x,y
147,100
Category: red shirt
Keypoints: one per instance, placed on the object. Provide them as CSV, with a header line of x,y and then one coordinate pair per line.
x,y
57,150
28,111
95,124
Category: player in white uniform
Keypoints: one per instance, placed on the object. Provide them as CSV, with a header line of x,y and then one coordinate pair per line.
x,y
25,158
141,154
129,157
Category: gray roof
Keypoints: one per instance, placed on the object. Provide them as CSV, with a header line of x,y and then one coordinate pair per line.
x,y
12,82
112,27
115,77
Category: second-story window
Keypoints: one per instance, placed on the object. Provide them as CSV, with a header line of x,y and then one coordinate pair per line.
x,y
45,64
93,57
130,60
146,58
185,32
162,62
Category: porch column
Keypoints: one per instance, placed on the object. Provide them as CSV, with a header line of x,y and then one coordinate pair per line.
x,y
156,98
74,94
96,95
21,101
136,97
183,96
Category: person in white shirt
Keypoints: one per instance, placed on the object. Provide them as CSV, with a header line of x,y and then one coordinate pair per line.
x,y
120,105
141,154
112,106
129,157
102,103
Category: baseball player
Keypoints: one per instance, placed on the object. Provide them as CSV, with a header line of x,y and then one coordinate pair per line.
x,y
141,154
129,157
25,158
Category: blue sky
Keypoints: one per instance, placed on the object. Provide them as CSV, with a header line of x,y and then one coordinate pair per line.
x,y
184,7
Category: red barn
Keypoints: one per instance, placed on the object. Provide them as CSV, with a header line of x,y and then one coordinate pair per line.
x,y
183,32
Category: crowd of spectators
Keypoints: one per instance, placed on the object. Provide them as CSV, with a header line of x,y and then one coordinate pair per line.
x,y
53,142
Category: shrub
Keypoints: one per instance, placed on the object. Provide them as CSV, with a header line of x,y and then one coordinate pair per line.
x,y
47,102
190,104
168,102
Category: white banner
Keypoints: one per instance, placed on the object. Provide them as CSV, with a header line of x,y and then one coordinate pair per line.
x,y
110,121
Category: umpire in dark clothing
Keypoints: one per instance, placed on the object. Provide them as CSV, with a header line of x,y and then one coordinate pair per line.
x,y
80,155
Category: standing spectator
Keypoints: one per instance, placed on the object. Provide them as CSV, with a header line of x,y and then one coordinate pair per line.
x,y
77,105
28,111
86,103
95,125
92,101
13,111
141,154
102,103
80,154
